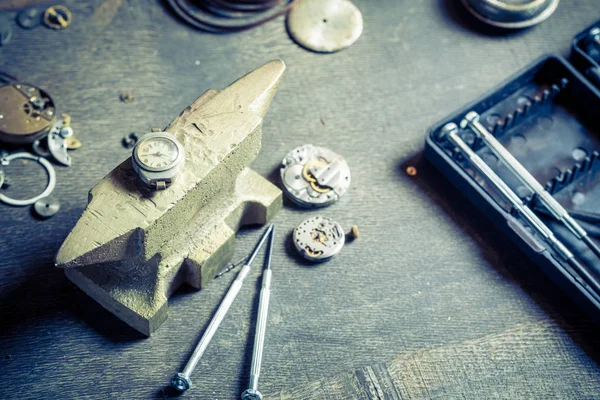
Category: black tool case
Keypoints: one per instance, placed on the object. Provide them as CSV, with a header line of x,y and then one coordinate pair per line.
x,y
548,117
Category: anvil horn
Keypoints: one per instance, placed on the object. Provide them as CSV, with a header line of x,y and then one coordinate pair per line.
x,y
133,247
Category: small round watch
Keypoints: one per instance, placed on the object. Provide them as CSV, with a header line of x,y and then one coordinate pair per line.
x,y
157,158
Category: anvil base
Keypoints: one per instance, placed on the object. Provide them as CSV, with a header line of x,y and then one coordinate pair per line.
x,y
137,292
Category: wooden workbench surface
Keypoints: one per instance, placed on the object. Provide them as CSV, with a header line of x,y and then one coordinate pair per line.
x,y
430,302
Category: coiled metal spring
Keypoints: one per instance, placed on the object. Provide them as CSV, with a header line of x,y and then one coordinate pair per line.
x,y
221,16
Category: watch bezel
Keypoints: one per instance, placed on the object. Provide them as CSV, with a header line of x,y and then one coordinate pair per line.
x,y
164,135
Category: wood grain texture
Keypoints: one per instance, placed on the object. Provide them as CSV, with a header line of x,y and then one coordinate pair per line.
x,y
482,368
428,273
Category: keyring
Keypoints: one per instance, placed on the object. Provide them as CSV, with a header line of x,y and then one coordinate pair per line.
x,y
51,178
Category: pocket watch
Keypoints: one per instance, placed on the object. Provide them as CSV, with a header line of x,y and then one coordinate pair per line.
x,y
157,158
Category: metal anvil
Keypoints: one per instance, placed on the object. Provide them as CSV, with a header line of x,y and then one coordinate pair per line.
x,y
133,247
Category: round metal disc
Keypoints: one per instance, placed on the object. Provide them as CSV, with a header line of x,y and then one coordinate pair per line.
x,y
325,26
30,18
46,207
318,239
314,176
511,14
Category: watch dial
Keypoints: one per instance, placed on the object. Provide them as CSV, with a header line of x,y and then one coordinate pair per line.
x,y
157,152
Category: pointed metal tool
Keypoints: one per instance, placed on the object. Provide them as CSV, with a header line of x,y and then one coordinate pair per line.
x,y
182,381
132,248
471,121
450,132
252,392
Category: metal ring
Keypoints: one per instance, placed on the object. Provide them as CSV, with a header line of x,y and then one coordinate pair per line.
x,y
51,179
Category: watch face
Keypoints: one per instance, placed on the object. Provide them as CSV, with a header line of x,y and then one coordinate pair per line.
x,y
157,153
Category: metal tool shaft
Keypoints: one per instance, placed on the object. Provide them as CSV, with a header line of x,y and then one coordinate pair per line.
x,y
182,380
451,132
252,393
556,210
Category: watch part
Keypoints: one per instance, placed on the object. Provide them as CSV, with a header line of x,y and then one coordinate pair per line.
x,y
66,131
57,17
46,207
40,147
26,113
314,176
57,144
157,158
72,143
6,32
318,239
229,15
127,96
66,119
325,26
6,159
511,14
29,18
130,140
157,153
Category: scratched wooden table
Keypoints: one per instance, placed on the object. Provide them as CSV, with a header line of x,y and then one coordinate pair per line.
x,y
430,301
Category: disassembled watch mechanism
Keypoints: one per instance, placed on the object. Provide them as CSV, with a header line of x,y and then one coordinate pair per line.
x,y
511,14
7,158
157,158
318,238
26,113
314,176
325,26
46,207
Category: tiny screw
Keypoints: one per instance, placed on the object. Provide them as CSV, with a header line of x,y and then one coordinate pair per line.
x,y
130,140
354,233
57,17
127,96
